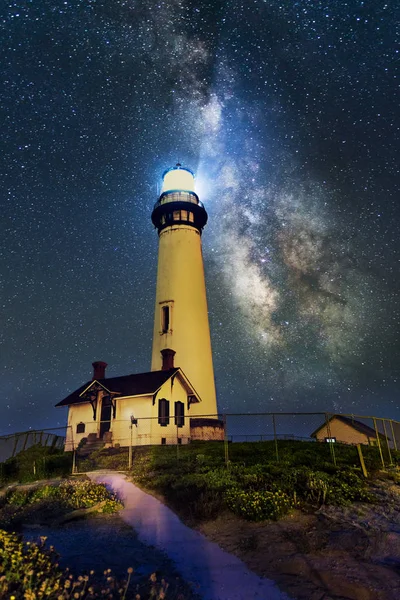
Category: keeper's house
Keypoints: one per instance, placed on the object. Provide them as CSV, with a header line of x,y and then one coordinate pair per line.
x,y
346,430
141,409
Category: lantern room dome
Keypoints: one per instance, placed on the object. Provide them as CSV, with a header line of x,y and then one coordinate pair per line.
x,y
178,178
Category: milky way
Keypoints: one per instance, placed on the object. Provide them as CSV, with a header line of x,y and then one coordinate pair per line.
x,y
286,111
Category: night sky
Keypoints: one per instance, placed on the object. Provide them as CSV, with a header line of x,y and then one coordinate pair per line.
x,y
288,114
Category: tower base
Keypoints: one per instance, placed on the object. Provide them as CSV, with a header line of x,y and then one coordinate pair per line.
x,y
206,429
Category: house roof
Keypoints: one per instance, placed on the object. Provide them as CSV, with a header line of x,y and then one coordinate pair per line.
x,y
357,425
140,384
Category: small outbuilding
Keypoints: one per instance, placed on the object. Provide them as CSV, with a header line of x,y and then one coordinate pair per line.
x,y
346,430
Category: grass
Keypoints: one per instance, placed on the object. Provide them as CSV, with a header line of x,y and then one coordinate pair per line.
x,y
37,462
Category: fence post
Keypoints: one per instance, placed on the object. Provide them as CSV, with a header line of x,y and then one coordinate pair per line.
x,y
26,441
393,436
328,431
387,442
275,438
177,442
15,445
360,455
226,450
378,442
73,451
130,449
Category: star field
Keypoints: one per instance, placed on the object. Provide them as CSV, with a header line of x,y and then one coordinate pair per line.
x,y
288,114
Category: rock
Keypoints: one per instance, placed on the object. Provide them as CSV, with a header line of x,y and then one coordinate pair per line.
x,y
79,513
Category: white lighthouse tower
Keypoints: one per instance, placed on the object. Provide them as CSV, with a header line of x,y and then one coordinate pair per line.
x,y
181,316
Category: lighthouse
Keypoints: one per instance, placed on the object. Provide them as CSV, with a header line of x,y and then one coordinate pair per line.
x,y
181,316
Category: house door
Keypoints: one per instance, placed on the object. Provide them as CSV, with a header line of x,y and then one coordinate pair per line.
x,y
105,416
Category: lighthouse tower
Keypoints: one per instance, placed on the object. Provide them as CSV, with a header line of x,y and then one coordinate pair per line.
x,y
181,316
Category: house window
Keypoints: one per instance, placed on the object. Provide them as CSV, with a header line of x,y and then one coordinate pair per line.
x,y
330,440
179,414
179,441
163,412
163,441
80,428
165,319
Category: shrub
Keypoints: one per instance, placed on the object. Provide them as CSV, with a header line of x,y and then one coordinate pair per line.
x,y
83,494
258,506
46,492
69,495
18,497
347,488
29,571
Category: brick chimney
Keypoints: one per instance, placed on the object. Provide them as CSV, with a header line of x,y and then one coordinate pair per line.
x,y
99,370
167,359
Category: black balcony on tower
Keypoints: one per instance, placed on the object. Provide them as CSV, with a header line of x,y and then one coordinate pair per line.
x,y
178,207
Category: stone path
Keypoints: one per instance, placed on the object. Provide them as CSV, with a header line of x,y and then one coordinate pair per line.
x,y
213,573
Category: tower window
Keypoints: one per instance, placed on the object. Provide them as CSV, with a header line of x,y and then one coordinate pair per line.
x,y
179,414
191,217
163,412
80,428
165,319
177,215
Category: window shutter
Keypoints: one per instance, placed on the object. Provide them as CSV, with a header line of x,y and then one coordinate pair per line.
x,y
179,414
163,412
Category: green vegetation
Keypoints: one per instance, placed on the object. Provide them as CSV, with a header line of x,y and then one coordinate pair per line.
x,y
50,502
196,482
37,462
29,571
109,458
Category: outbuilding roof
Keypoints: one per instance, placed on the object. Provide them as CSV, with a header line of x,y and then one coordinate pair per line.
x,y
140,384
357,425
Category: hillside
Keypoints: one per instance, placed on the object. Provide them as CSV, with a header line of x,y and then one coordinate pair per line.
x,y
321,530
333,534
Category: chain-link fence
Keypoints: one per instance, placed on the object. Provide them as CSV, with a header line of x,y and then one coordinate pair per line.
x,y
32,455
112,444
375,436
13,444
